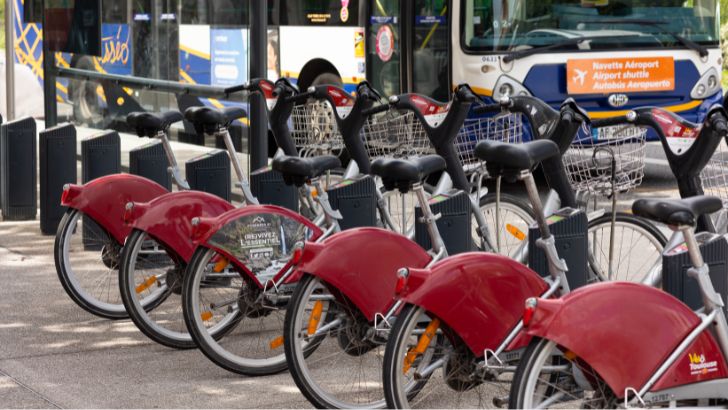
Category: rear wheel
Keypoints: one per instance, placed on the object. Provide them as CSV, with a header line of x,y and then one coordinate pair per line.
x,y
550,378
334,354
637,249
150,284
218,299
420,347
87,263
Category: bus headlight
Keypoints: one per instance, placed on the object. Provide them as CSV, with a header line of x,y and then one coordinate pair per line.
x,y
708,85
508,87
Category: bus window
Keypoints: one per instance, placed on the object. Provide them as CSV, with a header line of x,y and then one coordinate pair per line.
x,y
114,11
320,12
430,50
383,46
506,25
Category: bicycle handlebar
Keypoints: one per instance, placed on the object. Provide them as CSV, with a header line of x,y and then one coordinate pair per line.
x,y
301,96
237,88
376,110
618,120
487,108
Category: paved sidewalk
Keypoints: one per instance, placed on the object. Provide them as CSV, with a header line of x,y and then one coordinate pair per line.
x,y
53,354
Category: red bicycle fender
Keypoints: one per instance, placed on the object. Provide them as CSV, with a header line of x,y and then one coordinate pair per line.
x,y
168,218
362,264
478,295
228,233
103,199
623,331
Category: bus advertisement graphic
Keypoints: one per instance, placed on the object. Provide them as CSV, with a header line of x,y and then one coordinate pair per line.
x,y
116,48
620,75
229,56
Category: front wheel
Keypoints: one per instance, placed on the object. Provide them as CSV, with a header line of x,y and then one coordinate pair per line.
x,y
507,226
87,263
635,251
218,299
549,378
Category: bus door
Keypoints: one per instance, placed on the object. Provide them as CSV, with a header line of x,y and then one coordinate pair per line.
x,y
408,47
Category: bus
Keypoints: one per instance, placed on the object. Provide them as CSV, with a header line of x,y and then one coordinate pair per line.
x,y
609,55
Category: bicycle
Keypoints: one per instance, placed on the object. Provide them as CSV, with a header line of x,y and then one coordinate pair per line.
x,y
92,232
662,353
577,375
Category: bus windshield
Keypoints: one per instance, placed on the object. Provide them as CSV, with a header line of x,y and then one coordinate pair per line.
x,y
514,25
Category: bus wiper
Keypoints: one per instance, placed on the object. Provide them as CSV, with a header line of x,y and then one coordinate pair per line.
x,y
701,50
566,42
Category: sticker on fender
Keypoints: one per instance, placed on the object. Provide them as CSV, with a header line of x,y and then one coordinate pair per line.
x,y
698,365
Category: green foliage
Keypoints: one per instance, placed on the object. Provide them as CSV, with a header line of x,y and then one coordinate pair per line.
x,y
2,18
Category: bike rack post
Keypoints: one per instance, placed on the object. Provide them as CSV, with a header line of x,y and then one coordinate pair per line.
x,y
18,177
210,173
150,161
100,155
57,157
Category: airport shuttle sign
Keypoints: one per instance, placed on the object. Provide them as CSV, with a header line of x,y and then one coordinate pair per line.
x,y
620,75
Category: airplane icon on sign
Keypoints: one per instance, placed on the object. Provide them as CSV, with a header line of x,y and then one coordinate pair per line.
x,y
580,76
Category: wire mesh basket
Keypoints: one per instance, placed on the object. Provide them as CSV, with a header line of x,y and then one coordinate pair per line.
x,y
314,129
715,175
592,174
504,128
395,134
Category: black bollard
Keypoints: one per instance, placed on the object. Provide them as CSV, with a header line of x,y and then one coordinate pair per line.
x,y
18,178
57,157
100,155
210,173
150,161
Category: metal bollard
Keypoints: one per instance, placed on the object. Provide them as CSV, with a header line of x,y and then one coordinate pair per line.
x,y
150,161
210,173
100,155
18,179
57,157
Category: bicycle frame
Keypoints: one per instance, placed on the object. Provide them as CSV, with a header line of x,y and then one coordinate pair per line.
x,y
508,283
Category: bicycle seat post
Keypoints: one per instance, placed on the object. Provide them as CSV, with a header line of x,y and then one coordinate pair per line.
x,y
224,133
331,216
173,168
430,220
557,266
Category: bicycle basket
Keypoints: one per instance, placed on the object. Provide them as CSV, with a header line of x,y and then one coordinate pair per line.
x,y
504,128
715,175
594,176
314,129
395,134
